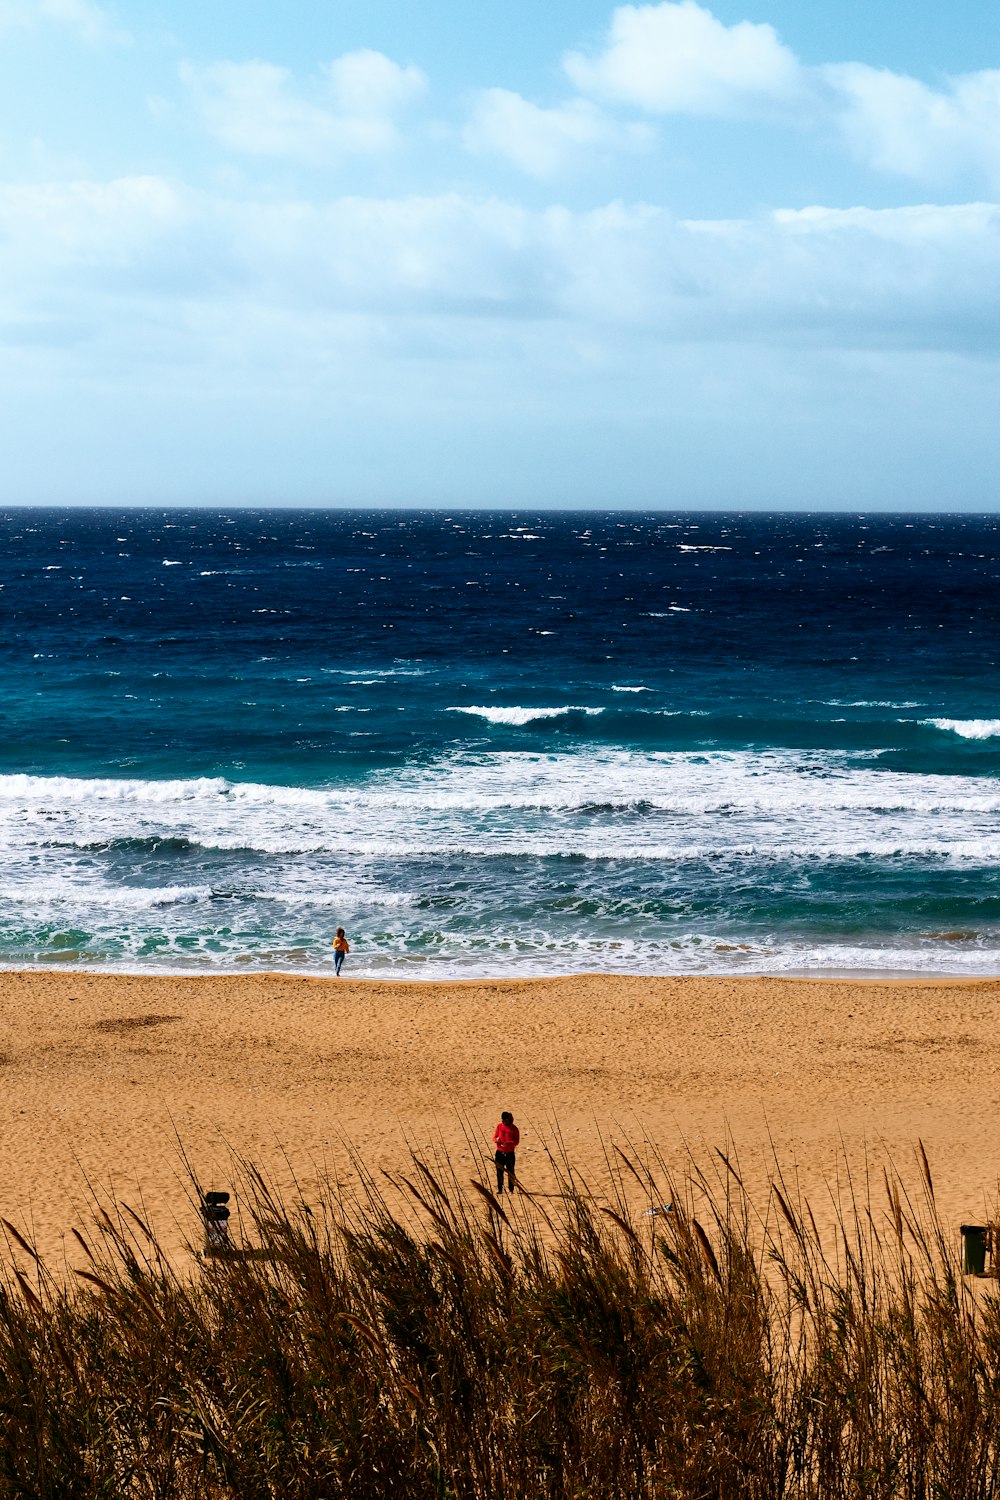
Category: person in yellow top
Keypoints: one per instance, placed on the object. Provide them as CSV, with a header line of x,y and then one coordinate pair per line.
x,y
341,948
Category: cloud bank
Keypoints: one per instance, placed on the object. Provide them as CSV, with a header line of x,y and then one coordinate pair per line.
x,y
919,277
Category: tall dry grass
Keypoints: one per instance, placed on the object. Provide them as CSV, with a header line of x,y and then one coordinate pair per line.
x,y
425,1339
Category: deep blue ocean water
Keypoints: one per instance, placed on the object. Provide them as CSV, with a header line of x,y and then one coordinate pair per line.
x,y
498,742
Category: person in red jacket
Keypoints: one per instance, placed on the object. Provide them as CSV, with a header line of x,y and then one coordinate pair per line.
x,y
341,948
505,1138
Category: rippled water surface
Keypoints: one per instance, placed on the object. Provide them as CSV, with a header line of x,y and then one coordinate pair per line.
x,y
496,742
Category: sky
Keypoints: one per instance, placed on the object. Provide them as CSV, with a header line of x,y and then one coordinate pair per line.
x,y
666,255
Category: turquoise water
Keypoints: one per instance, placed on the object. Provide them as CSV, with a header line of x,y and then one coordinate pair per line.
x,y
493,742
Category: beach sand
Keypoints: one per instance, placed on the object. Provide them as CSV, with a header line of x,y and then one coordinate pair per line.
x,y
103,1073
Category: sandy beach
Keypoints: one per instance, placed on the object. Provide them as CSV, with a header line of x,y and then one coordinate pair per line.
x,y
102,1074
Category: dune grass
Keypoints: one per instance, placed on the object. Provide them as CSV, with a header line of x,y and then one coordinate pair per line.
x,y
425,1339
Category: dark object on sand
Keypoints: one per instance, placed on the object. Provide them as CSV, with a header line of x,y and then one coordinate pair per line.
x,y
216,1218
975,1238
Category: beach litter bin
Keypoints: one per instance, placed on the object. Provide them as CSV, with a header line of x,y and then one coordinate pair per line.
x,y
215,1216
974,1249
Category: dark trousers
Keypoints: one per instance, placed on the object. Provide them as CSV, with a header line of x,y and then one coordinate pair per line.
x,y
504,1163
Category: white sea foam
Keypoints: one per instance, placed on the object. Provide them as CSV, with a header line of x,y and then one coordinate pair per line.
x,y
371,674
969,729
619,688
49,890
520,716
598,804
344,896
76,898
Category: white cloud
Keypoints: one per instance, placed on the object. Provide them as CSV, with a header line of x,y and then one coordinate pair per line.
x,y
678,58
257,108
252,107
367,83
898,124
544,142
90,22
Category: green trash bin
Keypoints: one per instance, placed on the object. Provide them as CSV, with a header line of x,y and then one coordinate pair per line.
x,y
974,1249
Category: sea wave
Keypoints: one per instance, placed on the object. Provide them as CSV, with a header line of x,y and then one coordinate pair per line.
x,y
968,729
770,784
468,834
518,716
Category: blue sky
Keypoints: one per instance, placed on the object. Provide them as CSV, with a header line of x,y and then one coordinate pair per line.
x,y
373,254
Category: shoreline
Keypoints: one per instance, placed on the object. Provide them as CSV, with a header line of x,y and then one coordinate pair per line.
x,y
394,977
105,1073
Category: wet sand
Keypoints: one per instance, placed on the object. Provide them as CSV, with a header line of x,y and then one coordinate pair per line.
x,y
103,1073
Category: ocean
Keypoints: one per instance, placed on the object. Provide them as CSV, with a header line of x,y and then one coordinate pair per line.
x,y
492,743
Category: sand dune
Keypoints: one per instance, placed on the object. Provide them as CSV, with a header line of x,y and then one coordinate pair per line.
x,y
102,1074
